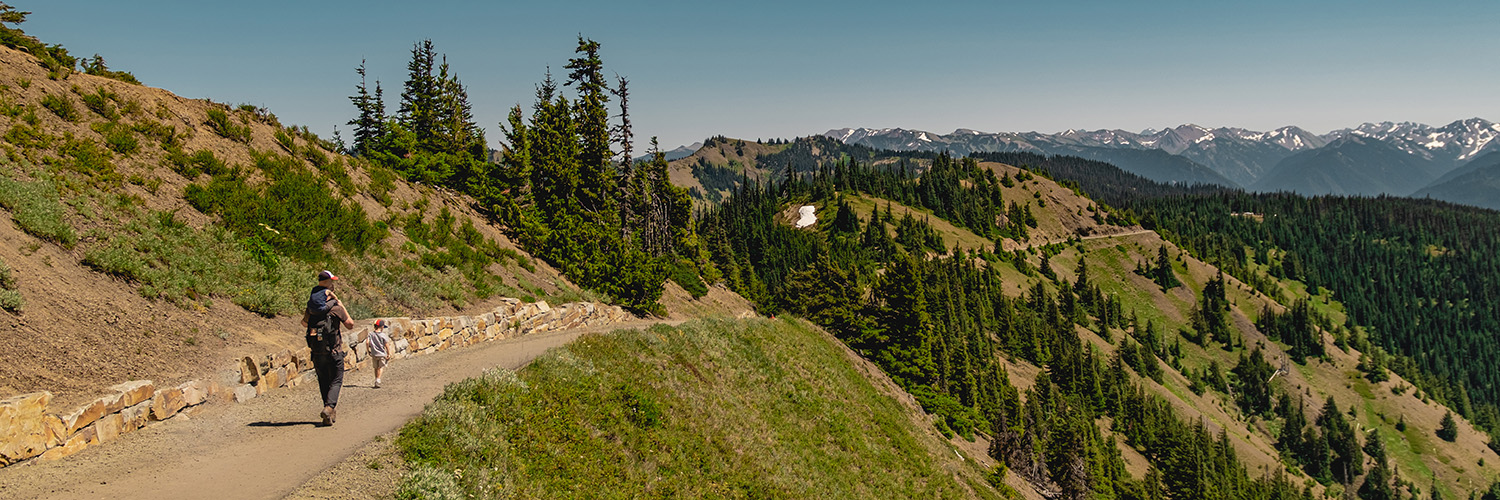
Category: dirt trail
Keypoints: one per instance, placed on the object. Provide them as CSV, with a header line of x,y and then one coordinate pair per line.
x,y
1028,245
268,446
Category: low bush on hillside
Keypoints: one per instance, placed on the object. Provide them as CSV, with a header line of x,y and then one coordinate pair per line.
x,y
90,160
382,182
176,262
294,211
163,134
61,106
685,274
29,136
100,102
219,121
193,165
36,208
11,109
10,297
708,410
118,137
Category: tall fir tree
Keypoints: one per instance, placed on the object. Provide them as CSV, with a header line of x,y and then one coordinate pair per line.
x,y
902,309
421,96
596,191
369,123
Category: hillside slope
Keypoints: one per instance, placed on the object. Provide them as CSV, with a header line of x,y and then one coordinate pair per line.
x,y
157,237
1477,184
850,283
745,408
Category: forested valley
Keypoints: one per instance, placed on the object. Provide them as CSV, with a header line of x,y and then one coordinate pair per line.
x,y
949,321
1421,277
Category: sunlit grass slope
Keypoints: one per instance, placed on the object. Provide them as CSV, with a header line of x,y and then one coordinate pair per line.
x,y
712,409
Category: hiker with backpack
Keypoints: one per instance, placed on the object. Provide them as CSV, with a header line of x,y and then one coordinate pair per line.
x,y
323,318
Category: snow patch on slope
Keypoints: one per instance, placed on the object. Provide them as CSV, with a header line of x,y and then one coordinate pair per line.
x,y
807,216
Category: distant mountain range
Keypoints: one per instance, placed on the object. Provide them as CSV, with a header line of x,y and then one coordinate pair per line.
x,y
674,153
1373,158
1476,183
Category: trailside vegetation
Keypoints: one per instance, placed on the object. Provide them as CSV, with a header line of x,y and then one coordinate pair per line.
x,y
710,409
560,186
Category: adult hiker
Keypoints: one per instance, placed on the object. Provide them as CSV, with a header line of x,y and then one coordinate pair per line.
x,y
322,318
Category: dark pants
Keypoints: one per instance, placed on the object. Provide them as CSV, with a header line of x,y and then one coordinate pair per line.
x,y
330,368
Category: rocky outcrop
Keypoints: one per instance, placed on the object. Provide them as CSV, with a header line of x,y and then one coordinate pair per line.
x,y
28,429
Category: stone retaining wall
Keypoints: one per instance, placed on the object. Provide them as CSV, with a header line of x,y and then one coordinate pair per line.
x,y
28,431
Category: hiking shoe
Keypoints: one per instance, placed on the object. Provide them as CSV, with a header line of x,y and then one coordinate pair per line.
x,y
327,416
377,383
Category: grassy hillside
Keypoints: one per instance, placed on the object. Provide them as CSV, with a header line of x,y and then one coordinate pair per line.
x,y
154,237
722,409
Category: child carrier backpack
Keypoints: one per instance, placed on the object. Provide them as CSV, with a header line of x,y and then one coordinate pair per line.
x,y
325,338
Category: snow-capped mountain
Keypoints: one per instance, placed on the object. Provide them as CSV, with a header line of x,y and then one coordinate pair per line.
x,y
1446,146
1239,155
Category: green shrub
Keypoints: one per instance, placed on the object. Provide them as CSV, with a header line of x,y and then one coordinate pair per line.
x,y
11,300
89,159
29,136
131,108
118,137
286,142
382,182
99,103
7,278
36,208
163,134
685,274
11,109
191,166
221,124
295,203
60,106
173,261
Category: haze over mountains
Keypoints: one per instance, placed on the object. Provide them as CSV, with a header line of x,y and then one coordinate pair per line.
x,y
1372,158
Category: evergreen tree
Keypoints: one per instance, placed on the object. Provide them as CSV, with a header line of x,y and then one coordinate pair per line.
x,y
369,124
1346,458
1253,383
596,191
902,310
421,96
623,133
1448,429
1293,422
1162,274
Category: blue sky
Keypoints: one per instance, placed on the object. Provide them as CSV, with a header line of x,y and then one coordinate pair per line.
x,y
785,69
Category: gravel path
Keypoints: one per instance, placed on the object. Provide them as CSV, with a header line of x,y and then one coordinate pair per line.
x,y
269,446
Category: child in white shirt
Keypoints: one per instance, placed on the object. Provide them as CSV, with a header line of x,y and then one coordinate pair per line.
x,y
381,349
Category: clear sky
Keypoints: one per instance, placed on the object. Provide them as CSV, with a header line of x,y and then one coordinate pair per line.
x,y
784,69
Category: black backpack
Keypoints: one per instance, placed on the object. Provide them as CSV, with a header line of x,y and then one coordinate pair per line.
x,y
326,338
